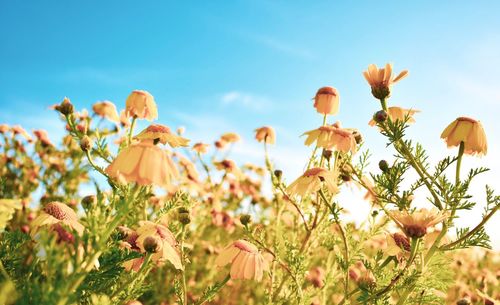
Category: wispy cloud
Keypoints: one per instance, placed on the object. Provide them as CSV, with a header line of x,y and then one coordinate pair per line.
x,y
280,46
245,100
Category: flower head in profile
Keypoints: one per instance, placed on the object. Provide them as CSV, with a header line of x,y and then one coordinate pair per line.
x,y
166,247
201,148
143,163
416,224
468,131
4,128
381,80
230,137
265,134
327,101
361,275
163,134
245,259
106,110
398,114
18,130
397,244
141,104
57,213
316,276
332,136
43,137
312,180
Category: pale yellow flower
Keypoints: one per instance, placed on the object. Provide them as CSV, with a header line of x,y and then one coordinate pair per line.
x,y
200,148
312,180
4,128
230,137
332,136
167,250
7,209
398,114
416,224
397,244
265,134
141,104
57,213
17,129
381,80
245,259
327,101
43,137
162,134
143,163
106,110
469,131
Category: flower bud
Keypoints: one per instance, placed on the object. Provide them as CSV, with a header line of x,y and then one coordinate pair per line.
x,y
383,165
151,244
357,136
65,108
182,210
89,201
327,154
278,174
380,116
86,143
245,219
463,301
184,218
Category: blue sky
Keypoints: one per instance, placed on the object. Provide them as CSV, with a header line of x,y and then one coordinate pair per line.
x,y
216,66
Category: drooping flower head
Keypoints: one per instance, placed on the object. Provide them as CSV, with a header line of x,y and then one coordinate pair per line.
x,y
18,130
107,110
327,101
201,148
143,163
245,259
312,180
57,213
167,245
469,131
381,80
162,134
265,134
332,136
398,114
230,137
416,224
141,104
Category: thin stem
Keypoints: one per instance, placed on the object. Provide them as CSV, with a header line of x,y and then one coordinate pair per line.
x,y
184,286
217,287
131,130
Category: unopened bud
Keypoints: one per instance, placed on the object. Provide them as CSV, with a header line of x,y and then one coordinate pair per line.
x,y
357,136
89,201
327,154
65,108
245,219
383,165
151,244
463,302
86,143
380,116
278,174
184,218
182,210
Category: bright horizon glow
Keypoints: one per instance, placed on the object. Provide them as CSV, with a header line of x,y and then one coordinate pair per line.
x,y
215,68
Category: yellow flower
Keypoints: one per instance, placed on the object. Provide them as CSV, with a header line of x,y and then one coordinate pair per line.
x,y
416,224
230,137
311,181
162,134
245,259
167,248
43,137
201,148
7,209
332,136
265,134
470,132
381,80
141,104
4,128
398,114
17,129
57,213
397,243
106,110
143,163
327,101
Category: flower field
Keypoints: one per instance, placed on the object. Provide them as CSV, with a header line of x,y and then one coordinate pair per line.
x,y
169,221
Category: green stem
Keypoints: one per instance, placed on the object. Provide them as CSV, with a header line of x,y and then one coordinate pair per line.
x,y
184,286
131,130
383,103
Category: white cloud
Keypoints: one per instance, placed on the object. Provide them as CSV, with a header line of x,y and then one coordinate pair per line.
x,y
245,100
